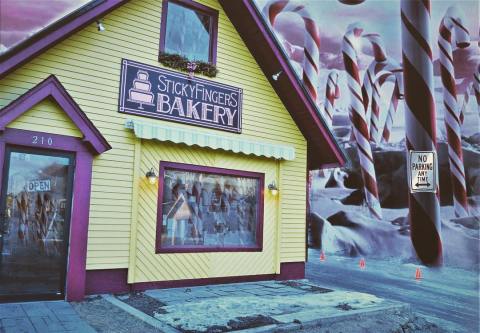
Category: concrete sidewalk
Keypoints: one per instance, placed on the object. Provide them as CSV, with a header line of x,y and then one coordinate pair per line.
x,y
270,306
41,317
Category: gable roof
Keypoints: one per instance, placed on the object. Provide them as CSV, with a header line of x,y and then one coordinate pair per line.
x,y
51,87
323,150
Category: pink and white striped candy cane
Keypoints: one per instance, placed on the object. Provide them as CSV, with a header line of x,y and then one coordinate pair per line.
x,y
381,66
420,121
311,44
357,114
466,100
395,69
392,109
476,86
452,23
369,88
375,76
371,100
331,94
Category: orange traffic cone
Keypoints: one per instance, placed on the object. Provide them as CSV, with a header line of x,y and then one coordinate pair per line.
x,y
418,274
362,263
322,256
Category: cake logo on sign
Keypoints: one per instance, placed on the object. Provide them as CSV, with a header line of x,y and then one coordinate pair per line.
x,y
140,92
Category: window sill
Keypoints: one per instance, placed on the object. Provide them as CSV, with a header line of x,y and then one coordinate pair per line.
x,y
193,249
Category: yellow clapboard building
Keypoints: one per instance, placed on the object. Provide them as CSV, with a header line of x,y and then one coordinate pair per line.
x,y
149,144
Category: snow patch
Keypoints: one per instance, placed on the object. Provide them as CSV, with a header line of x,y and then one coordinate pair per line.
x,y
210,312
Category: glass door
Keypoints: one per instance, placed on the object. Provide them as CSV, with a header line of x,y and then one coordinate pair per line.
x,y
34,224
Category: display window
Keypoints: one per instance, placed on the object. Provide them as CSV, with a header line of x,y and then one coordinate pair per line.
x,y
209,209
189,29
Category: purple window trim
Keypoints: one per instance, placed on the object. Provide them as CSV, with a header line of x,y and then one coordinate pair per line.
x,y
37,46
213,13
77,255
51,87
166,165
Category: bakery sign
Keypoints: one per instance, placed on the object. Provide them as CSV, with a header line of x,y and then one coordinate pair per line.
x,y
159,93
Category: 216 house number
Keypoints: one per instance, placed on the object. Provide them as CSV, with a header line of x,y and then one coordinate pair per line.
x,y
41,140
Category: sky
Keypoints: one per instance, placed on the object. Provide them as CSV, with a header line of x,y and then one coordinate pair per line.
x,y
22,18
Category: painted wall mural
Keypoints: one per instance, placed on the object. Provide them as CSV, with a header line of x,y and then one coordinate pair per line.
x,y
395,81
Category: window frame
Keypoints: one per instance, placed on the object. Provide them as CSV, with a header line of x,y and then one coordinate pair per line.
x,y
213,13
167,165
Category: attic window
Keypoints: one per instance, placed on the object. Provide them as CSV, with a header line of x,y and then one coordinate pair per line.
x,y
189,29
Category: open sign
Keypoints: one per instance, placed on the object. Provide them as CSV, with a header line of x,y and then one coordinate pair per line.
x,y
38,185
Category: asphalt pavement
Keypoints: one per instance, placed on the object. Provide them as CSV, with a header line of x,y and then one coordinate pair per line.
x,y
449,294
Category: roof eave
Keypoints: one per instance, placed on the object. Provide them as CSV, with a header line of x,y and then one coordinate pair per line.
x,y
52,88
36,46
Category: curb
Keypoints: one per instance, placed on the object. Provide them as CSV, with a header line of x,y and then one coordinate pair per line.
x,y
139,314
325,321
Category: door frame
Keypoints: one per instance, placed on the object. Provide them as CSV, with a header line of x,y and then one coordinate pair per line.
x,y
91,143
68,212
80,203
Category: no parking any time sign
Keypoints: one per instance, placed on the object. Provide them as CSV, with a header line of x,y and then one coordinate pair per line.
x,y
423,171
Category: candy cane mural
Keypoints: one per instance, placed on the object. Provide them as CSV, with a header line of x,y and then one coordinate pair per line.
x,y
358,117
466,100
452,23
424,212
371,99
376,74
332,92
476,86
311,44
392,109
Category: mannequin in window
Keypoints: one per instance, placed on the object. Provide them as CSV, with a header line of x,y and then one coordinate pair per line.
x,y
182,214
219,208
194,201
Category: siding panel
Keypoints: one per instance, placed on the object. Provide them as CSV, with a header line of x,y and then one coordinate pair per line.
x,y
88,65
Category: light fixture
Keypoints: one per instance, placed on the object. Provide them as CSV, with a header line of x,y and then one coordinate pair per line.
x,y
275,76
272,187
100,26
151,176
